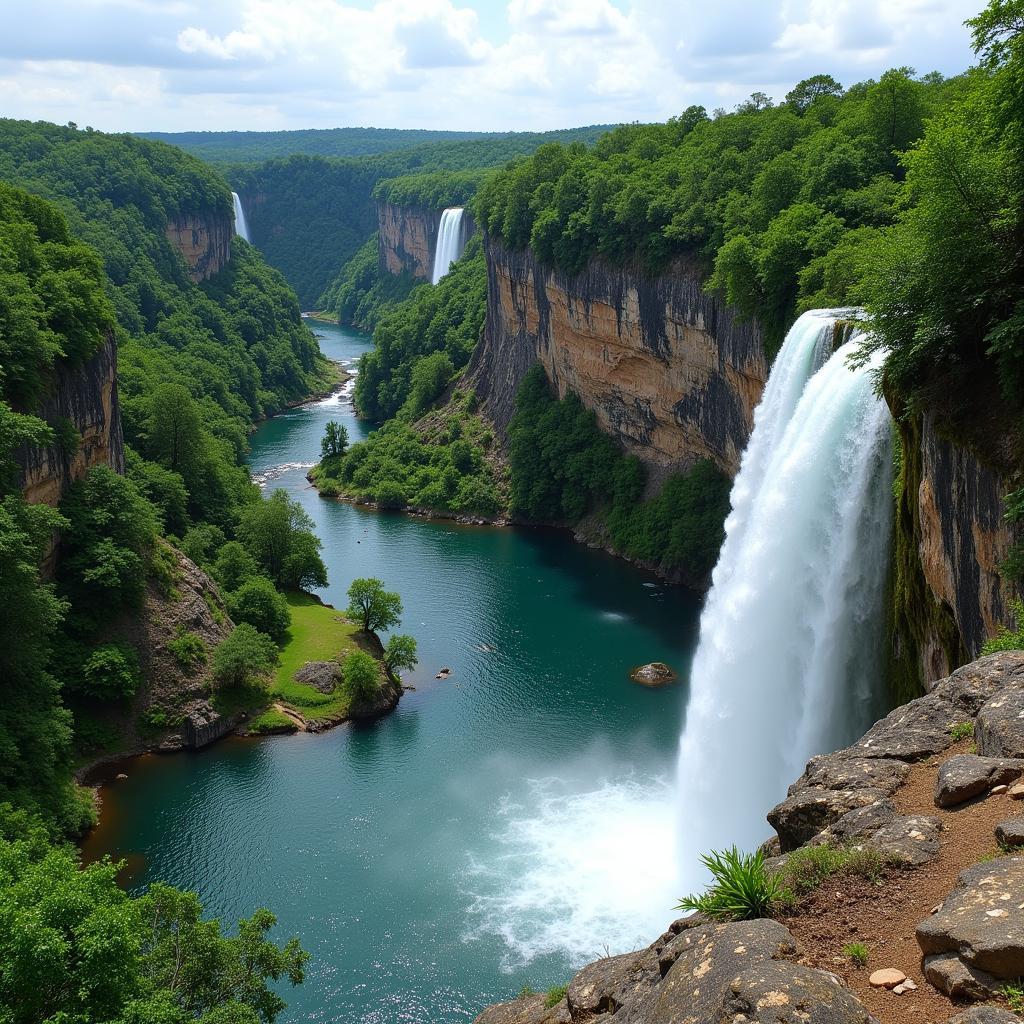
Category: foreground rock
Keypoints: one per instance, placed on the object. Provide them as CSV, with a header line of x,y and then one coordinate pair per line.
x,y
999,730
698,972
966,776
981,923
1011,832
985,1015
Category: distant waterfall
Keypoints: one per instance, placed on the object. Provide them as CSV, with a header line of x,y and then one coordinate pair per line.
x,y
241,228
450,242
788,661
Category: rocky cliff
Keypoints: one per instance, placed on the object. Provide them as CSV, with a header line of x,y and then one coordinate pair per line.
x,y
408,238
86,397
666,367
951,538
890,832
204,241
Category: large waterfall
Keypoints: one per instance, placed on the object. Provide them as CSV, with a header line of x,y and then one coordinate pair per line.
x,y
788,660
450,242
241,228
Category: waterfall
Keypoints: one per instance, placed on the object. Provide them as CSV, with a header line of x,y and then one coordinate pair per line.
x,y
790,637
450,242
241,228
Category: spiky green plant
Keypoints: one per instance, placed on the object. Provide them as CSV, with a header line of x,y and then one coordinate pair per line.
x,y
743,888
857,952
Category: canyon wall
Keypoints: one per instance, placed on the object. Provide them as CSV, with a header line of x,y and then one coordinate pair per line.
x,y
951,538
408,238
204,241
669,371
86,396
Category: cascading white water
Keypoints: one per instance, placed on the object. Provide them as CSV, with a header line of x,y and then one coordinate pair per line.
x,y
450,242
241,228
788,657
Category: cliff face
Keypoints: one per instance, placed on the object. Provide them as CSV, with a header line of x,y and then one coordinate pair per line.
x,y
87,397
408,238
204,242
668,370
952,535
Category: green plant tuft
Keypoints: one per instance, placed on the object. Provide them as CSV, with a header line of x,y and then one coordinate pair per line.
x,y
555,995
857,952
961,730
743,888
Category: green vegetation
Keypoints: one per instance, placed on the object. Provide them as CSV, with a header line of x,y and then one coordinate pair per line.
x,y
269,721
443,463
555,995
374,607
961,730
76,948
238,147
279,536
299,194
243,656
258,603
442,321
361,674
1008,639
1013,993
434,191
362,293
857,953
400,653
805,869
563,467
743,888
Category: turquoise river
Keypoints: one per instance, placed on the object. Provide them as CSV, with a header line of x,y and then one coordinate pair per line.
x,y
500,828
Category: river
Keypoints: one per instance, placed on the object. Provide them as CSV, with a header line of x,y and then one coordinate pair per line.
x,y
500,828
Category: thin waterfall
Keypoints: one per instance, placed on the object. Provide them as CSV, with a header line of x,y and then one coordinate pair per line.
x,y
241,228
788,664
450,242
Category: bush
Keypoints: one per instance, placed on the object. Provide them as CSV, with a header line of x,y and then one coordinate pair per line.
x,y
857,952
361,674
234,566
244,654
188,649
260,605
555,995
743,889
111,672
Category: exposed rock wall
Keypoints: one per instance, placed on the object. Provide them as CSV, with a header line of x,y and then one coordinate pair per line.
x,y
408,238
951,538
666,367
204,242
86,396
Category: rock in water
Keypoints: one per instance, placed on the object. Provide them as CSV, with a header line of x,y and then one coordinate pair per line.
x,y
656,673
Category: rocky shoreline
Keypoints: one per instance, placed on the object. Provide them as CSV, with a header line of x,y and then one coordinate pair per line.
x,y
944,818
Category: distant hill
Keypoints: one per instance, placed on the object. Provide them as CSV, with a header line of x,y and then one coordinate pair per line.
x,y
253,147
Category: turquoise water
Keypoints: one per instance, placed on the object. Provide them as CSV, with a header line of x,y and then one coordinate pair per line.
x,y
501,827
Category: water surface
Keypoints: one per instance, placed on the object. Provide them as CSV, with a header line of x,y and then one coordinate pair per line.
x,y
501,827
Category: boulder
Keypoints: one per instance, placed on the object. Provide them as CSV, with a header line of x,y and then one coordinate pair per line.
x,y
843,771
606,985
1011,832
999,728
985,1015
906,839
967,775
949,974
204,723
776,992
321,675
912,732
973,685
800,817
982,920
657,673
525,1010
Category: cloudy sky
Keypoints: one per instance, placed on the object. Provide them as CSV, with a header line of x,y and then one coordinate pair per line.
x,y
133,65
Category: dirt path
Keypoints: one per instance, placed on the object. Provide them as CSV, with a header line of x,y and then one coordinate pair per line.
x,y
884,917
293,716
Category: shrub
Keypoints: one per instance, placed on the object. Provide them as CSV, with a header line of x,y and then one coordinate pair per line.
x,y
805,869
362,675
188,649
743,889
1013,992
961,730
243,654
555,995
857,952
234,566
111,672
1008,639
259,604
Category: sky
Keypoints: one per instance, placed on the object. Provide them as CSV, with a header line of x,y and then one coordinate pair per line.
x,y
481,65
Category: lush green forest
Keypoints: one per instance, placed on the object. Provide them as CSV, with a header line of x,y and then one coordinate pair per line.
x,y
433,190
776,199
310,215
252,147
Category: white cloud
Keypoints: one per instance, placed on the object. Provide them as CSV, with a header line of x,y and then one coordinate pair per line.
x,y
179,64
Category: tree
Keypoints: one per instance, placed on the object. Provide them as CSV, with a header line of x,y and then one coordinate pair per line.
x,y
996,30
372,605
335,440
244,654
400,653
234,566
361,674
259,604
803,94
279,535
174,428
110,672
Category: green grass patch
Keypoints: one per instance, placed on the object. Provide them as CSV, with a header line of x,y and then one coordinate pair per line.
x,y
268,721
857,952
961,730
555,995
1013,991
805,869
